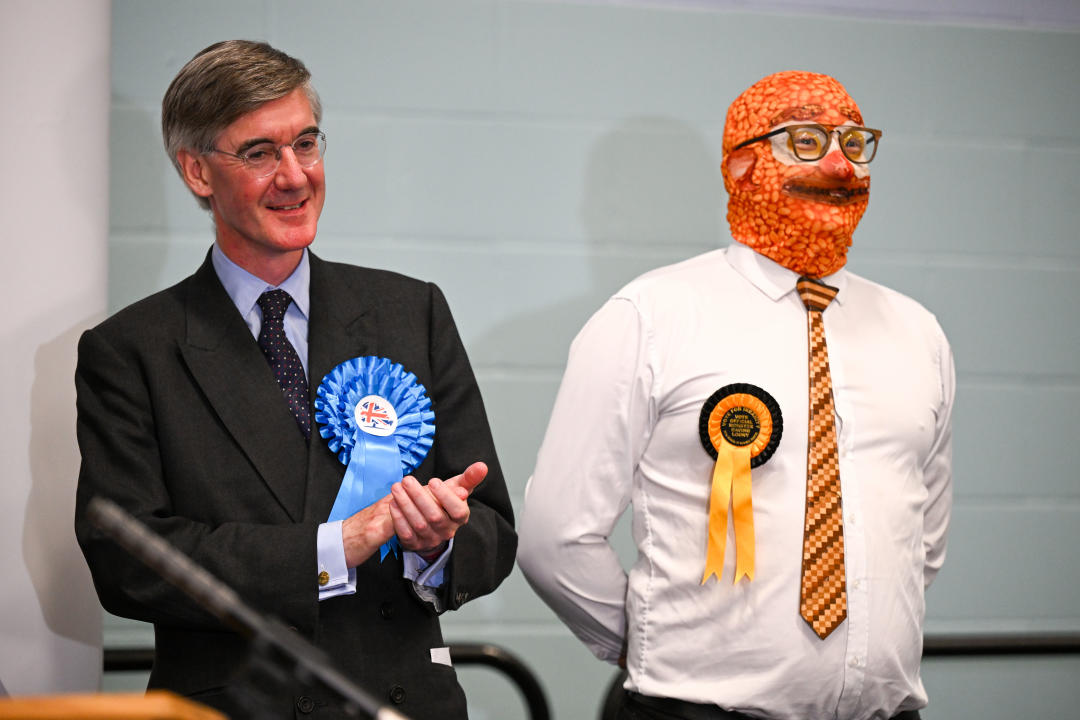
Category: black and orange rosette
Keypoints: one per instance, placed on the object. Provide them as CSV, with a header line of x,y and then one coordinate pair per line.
x,y
740,427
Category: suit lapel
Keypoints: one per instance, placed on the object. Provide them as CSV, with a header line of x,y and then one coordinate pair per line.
x,y
342,326
227,364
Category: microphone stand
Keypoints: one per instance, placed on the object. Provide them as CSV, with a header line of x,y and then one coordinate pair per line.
x,y
277,648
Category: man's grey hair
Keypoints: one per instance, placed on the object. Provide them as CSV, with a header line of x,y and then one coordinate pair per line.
x,y
219,85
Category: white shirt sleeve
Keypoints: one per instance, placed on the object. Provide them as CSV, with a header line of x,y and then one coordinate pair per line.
x,y
340,580
584,477
937,472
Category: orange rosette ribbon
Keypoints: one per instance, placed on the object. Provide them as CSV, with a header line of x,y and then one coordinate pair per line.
x,y
740,427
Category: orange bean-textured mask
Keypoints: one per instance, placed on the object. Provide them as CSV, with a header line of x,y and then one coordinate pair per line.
x,y
799,214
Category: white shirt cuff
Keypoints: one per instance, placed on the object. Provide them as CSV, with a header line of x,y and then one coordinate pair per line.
x,y
333,577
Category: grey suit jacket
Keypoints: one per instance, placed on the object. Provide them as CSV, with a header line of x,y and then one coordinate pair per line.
x,y
181,422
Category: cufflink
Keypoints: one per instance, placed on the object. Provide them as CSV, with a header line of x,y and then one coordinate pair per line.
x,y
324,577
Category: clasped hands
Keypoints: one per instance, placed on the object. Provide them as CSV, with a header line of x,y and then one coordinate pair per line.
x,y
424,517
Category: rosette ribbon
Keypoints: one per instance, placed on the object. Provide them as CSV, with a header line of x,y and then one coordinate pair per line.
x,y
730,485
740,427
379,421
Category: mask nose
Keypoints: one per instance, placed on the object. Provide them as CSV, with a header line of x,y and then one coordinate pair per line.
x,y
834,164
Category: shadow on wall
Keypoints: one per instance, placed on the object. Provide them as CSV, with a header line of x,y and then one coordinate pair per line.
x,y
653,195
53,560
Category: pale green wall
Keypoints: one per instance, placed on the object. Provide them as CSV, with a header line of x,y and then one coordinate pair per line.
x,y
531,157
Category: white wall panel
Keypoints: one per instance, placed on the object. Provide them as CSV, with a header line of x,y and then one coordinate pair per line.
x,y
54,63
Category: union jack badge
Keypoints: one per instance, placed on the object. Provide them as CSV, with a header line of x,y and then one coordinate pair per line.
x,y
376,416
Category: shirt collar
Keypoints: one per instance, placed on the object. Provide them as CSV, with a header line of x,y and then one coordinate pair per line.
x,y
773,279
245,288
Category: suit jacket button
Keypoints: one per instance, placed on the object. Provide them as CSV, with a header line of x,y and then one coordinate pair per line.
x,y
386,610
397,694
305,704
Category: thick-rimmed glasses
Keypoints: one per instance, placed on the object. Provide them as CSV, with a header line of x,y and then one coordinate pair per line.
x,y
811,142
263,159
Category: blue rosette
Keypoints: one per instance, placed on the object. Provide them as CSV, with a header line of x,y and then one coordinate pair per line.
x,y
379,421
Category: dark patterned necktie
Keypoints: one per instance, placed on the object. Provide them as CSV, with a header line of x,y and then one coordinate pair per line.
x,y
282,356
823,590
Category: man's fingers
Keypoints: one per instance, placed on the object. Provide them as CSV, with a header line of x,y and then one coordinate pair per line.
x,y
473,476
402,528
452,500
415,503
426,516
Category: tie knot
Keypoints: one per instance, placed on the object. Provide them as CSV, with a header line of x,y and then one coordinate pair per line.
x,y
273,304
815,294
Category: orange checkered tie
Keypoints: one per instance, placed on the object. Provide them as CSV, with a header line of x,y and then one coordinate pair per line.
x,y
823,592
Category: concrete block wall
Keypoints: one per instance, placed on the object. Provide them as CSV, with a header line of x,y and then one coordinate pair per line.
x,y
532,156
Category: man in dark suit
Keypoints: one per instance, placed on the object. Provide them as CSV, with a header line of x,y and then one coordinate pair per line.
x,y
195,415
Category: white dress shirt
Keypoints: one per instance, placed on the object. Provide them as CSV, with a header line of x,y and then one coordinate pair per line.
x,y
625,430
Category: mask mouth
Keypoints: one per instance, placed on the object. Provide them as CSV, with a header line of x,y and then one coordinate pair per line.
x,y
830,193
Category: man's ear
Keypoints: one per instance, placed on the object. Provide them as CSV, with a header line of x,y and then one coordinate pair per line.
x,y
196,172
740,166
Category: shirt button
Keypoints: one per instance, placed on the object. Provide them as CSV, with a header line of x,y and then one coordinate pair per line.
x,y
397,694
324,577
853,662
855,584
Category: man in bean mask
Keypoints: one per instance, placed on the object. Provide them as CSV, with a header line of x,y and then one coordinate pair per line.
x,y
796,196
782,430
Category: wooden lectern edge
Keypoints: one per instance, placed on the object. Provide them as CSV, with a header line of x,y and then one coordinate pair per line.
x,y
152,705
